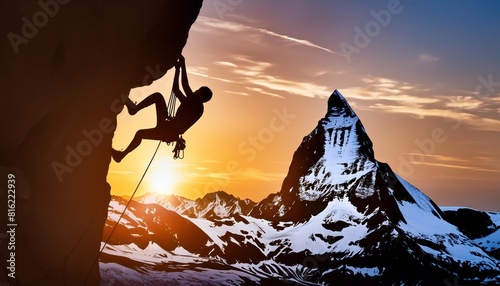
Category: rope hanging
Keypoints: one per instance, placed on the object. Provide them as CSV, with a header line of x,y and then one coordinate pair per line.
x,y
123,213
171,105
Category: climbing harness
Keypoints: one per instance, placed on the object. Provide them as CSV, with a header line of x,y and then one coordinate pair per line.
x,y
180,143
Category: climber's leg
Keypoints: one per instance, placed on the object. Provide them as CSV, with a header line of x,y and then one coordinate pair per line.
x,y
152,134
156,99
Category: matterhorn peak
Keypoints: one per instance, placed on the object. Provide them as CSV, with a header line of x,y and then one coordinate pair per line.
x,y
344,132
337,105
347,155
330,161
338,195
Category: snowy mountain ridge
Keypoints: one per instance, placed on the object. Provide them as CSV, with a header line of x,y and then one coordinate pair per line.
x,y
218,204
174,203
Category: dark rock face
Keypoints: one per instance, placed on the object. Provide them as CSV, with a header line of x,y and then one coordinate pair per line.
x,y
473,223
65,68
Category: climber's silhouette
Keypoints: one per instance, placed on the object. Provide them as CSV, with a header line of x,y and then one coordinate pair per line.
x,y
168,128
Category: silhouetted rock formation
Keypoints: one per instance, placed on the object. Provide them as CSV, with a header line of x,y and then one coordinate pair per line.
x,y
65,67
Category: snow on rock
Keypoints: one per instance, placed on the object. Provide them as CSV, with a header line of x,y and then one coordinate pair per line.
x,y
174,203
347,151
490,242
113,274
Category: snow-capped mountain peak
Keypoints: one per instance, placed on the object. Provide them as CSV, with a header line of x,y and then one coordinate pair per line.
x,y
347,150
338,106
336,156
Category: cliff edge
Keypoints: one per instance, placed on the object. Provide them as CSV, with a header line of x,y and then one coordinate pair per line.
x,y
65,69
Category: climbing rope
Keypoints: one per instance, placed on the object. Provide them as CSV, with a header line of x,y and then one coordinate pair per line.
x,y
180,143
172,101
123,213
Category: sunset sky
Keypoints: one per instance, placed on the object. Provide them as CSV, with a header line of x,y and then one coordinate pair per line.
x,y
410,70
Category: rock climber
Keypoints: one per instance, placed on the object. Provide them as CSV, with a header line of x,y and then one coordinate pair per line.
x,y
168,128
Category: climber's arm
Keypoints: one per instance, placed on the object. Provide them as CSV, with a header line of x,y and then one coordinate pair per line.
x,y
175,88
184,78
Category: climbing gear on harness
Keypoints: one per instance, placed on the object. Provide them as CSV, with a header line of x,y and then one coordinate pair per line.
x,y
180,145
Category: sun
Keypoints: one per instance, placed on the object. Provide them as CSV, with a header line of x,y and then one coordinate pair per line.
x,y
163,178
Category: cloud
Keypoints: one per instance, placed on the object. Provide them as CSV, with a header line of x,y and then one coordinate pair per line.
x,y
256,77
256,174
389,95
249,74
440,158
227,64
203,72
260,90
380,88
237,92
453,162
251,174
207,22
248,67
295,40
271,73
462,167
443,158
294,87
464,102
428,58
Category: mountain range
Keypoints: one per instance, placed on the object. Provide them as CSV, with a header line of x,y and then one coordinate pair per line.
x,y
213,205
340,218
